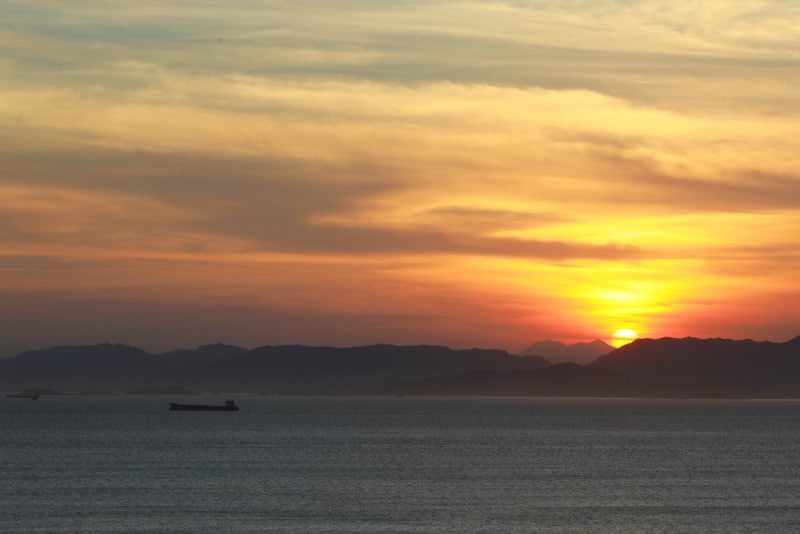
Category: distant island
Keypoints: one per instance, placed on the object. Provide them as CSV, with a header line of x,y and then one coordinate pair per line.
x,y
667,367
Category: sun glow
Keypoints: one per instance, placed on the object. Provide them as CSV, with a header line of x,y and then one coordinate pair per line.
x,y
623,336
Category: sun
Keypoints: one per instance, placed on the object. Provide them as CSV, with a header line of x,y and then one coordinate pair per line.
x,y
623,336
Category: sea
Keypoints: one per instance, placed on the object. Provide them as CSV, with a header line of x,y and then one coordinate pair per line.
x,y
112,464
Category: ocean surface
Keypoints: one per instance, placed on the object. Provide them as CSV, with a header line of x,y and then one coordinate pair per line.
x,y
352,464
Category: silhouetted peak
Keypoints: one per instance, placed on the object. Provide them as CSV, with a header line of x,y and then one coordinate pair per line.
x,y
219,346
558,352
794,341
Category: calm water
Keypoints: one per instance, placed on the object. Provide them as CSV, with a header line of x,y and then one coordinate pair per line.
x,y
282,464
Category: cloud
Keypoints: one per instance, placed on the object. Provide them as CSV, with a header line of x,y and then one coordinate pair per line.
x,y
605,158
487,220
360,167
648,49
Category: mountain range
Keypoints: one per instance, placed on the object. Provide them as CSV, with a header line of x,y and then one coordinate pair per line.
x,y
669,367
709,367
268,369
558,352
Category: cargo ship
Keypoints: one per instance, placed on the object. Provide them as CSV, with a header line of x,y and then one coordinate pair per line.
x,y
229,406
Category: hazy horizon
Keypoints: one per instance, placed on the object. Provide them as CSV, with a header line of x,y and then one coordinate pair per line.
x,y
158,350
344,173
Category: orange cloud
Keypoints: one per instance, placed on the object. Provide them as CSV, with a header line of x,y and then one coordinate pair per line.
x,y
557,179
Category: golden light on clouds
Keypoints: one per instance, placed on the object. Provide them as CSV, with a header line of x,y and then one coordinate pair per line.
x,y
409,175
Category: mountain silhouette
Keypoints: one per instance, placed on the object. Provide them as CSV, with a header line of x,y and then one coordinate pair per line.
x,y
201,355
647,367
667,367
292,368
709,366
558,352
79,367
299,368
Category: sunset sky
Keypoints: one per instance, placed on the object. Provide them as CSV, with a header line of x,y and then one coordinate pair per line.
x,y
344,172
